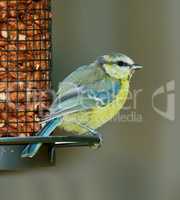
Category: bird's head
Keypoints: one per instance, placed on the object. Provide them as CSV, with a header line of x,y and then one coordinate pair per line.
x,y
118,65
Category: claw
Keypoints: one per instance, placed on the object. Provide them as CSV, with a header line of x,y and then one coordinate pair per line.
x,y
99,144
94,133
98,135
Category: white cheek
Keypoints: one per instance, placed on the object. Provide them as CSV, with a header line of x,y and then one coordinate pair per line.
x,y
120,72
124,71
116,71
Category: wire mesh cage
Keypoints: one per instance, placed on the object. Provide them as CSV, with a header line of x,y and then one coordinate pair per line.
x,y
25,65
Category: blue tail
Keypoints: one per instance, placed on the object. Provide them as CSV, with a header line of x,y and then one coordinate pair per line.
x,y
31,149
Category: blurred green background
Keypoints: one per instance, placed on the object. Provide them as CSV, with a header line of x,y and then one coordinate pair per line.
x,y
138,161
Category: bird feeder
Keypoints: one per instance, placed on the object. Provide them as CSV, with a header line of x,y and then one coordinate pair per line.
x,y
25,81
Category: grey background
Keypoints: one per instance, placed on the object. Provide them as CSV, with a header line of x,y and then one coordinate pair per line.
x,y
138,160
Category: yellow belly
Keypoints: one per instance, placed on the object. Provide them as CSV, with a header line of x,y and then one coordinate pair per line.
x,y
98,116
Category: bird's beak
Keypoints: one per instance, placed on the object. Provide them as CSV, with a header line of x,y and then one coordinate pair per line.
x,y
136,67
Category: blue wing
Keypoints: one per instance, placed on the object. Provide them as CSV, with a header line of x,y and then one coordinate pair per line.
x,y
83,98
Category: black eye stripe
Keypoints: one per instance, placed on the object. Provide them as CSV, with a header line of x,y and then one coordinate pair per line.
x,y
121,63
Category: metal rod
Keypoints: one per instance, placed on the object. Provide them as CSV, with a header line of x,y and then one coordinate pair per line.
x,y
61,141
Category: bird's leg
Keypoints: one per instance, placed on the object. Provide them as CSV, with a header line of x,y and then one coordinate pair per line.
x,y
93,132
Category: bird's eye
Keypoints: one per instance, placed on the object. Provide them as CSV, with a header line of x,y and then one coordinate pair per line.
x,y
121,63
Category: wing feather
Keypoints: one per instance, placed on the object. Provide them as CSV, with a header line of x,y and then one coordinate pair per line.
x,y
85,89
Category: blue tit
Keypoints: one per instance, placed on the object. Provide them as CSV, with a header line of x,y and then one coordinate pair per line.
x,y
89,97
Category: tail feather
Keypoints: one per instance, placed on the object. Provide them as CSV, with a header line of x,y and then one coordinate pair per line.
x,y
31,149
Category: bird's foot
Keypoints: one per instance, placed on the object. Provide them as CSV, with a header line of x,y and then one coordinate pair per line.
x,y
99,144
94,133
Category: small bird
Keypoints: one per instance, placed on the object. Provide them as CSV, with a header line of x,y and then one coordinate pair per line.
x,y
89,97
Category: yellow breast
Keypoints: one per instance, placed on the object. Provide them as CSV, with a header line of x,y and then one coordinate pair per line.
x,y
98,116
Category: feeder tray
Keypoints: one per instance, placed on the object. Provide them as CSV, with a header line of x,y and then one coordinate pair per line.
x,y
11,148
